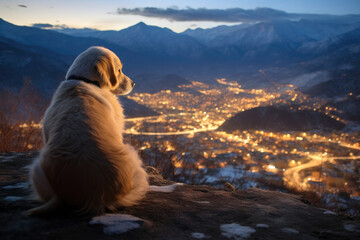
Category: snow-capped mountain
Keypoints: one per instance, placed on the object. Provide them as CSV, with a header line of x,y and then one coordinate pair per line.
x,y
62,44
154,40
304,52
268,32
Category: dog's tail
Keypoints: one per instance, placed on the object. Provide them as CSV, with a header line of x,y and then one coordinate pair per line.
x,y
140,187
140,183
44,191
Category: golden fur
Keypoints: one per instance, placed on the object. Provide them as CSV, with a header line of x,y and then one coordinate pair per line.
x,y
84,161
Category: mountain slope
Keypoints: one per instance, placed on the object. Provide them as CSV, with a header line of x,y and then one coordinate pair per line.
x,y
44,70
152,39
68,47
207,35
349,106
18,62
332,44
262,44
291,30
132,109
341,84
57,42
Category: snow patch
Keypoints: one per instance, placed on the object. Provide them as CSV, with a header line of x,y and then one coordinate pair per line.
x,y
8,158
249,184
329,212
356,198
262,225
13,198
27,167
350,227
229,173
198,235
290,230
19,185
168,188
236,231
117,223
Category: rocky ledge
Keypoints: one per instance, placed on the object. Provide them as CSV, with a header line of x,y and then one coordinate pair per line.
x,y
171,211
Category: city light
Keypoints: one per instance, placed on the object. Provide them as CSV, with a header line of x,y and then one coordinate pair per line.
x,y
295,157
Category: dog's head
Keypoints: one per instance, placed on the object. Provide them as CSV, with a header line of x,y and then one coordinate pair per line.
x,y
102,66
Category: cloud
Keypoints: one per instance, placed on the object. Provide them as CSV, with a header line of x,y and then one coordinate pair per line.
x,y
213,15
23,6
42,25
50,26
62,28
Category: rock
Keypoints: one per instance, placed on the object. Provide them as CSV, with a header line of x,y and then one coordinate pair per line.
x,y
229,187
152,171
185,212
154,176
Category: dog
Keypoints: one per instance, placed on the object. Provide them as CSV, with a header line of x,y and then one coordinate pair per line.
x,y
84,162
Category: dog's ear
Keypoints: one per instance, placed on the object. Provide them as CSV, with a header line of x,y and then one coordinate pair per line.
x,y
113,80
106,72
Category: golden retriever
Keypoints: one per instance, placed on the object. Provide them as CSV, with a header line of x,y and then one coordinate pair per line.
x,y
84,162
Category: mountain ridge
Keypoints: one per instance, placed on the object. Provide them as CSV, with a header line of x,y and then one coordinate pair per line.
x,y
280,51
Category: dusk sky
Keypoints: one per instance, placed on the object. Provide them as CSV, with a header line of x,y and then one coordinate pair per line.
x,y
176,15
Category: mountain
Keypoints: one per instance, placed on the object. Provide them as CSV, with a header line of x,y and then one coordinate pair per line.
x,y
273,31
264,33
161,51
280,119
278,42
62,44
332,44
155,40
340,57
132,109
261,44
349,106
67,47
341,83
18,62
334,60
207,35
286,51
44,63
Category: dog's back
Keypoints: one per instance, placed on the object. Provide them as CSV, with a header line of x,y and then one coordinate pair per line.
x,y
84,158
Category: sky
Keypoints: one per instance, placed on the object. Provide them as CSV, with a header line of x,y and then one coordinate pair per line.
x,y
176,15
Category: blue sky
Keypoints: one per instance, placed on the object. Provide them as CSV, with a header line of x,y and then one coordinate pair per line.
x,y
176,15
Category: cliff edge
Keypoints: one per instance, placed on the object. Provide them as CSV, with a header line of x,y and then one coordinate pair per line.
x,y
171,211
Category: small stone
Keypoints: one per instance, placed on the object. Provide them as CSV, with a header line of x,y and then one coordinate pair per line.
x,y
198,235
290,231
229,187
154,175
152,170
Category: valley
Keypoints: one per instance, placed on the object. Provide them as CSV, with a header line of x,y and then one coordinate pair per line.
x,y
187,131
